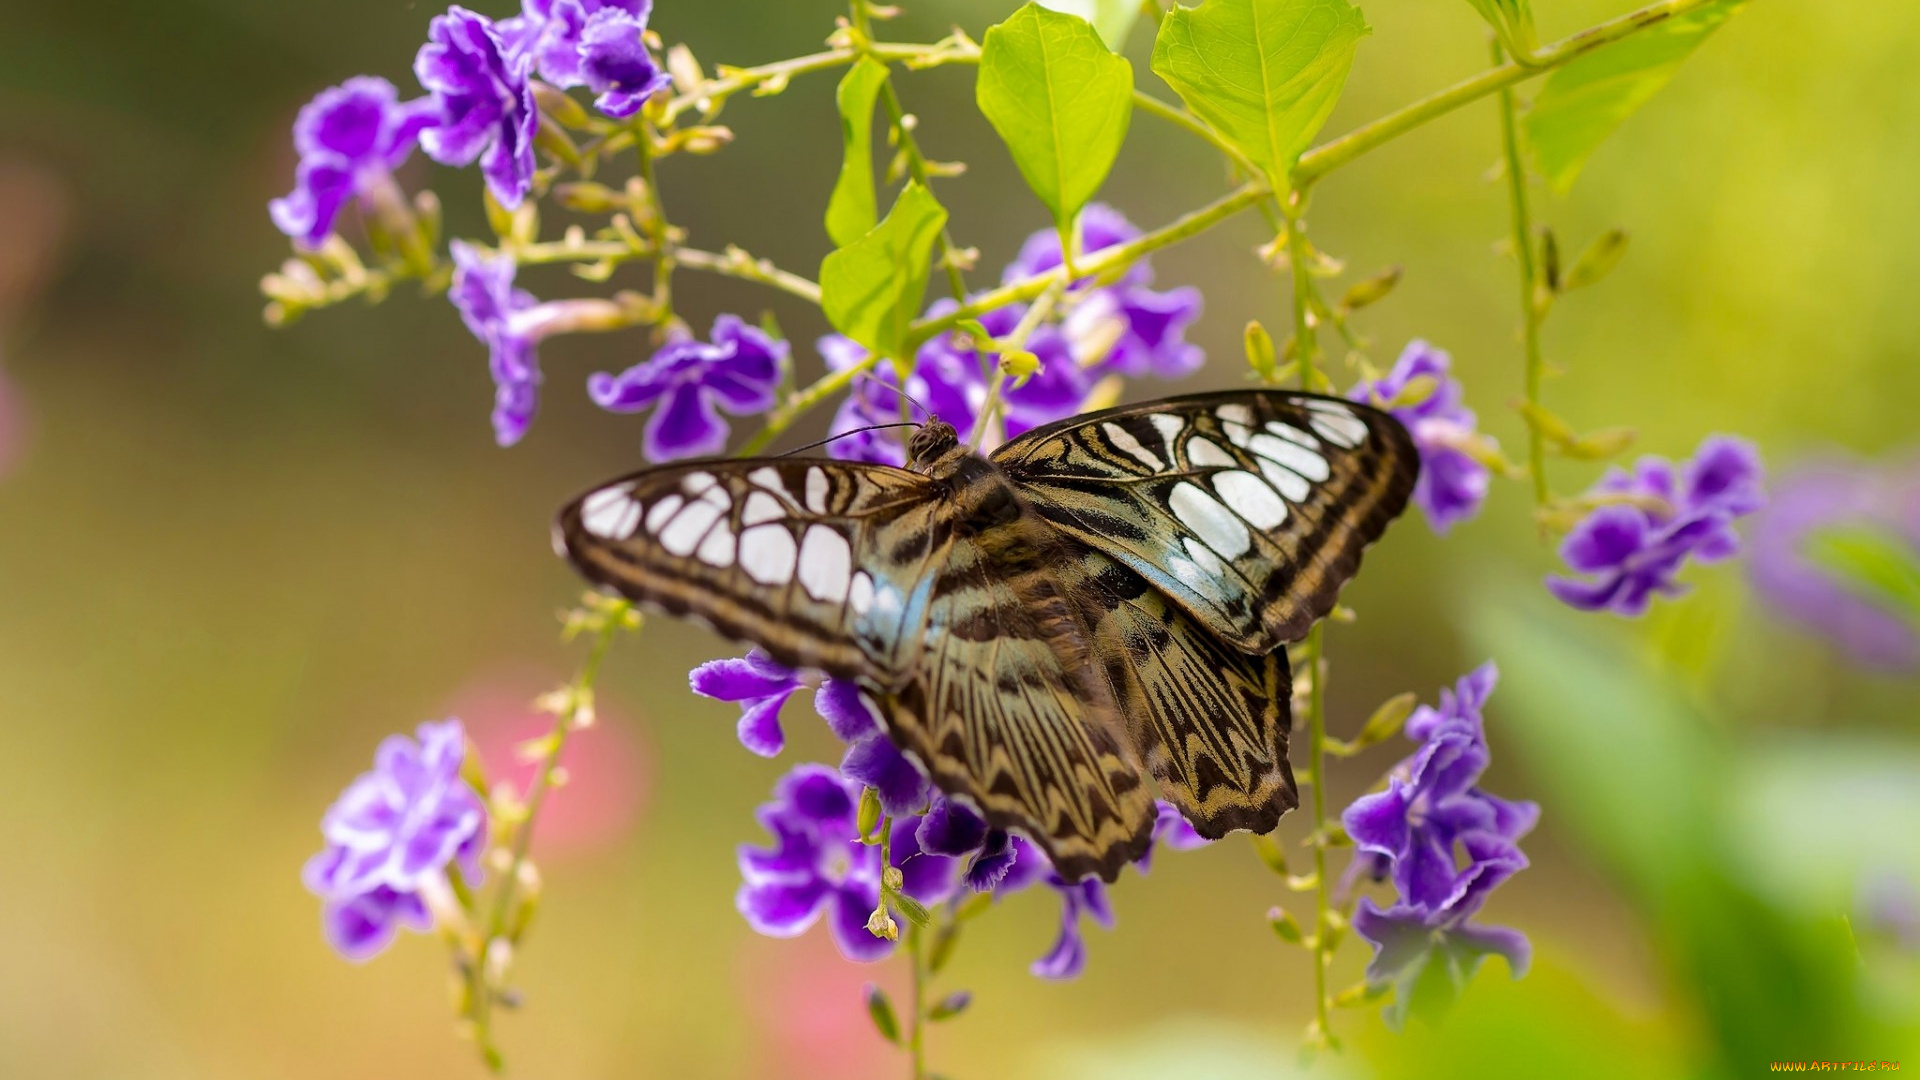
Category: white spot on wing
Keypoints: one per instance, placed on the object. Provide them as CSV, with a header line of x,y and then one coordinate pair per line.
x,y
610,513
1235,414
1207,454
1123,439
767,554
717,548
690,526
817,487
1205,561
662,510
1309,464
1337,423
1169,426
860,596
761,507
1251,498
826,563
1211,522
768,477
1293,434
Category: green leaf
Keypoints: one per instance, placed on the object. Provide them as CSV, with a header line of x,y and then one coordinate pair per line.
x,y
871,289
880,1010
1264,73
1513,20
1585,101
1112,18
1060,101
1873,563
852,211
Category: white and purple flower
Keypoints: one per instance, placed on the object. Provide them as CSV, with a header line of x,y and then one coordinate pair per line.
x,y
392,839
350,139
1445,844
688,382
1652,521
485,102
1453,482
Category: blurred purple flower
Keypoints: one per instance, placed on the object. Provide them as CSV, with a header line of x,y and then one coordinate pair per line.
x,y
1831,495
1429,953
394,835
593,43
350,139
1147,328
762,688
1453,483
817,865
874,399
1170,827
510,322
1445,844
1632,547
690,381
485,102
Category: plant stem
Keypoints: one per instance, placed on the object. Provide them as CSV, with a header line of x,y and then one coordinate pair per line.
x,y
1017,339
479,989
1523,249
1316,776
916,1028
1095,263
1305,342
783,417
1331,155
663,255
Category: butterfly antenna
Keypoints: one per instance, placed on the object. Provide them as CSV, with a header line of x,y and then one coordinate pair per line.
x,y
844,434
909,398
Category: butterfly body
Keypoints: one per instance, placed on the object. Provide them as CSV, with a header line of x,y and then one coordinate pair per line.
x,y
1039,628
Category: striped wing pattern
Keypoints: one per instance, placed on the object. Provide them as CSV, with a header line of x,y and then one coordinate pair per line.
x,y
1102,598
1249,510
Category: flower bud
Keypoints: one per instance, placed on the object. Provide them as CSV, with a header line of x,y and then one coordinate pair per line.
x,y
868,820
950,1006
1260,354
1372,290
881,925
1284,926
1597,261
880,1009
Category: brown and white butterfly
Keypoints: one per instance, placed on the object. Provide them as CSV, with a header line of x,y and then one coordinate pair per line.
x,y
1099,599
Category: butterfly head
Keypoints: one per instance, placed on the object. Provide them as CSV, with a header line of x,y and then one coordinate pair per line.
x,y
934,441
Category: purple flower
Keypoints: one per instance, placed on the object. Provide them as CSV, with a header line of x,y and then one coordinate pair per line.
x,y
691,381
485,102
1429,954
1651,522
1453,483
817,865
874,399
593,43
762,686
350,139
1830,495
1146,328
1431,802
1445,844
509,322
393,836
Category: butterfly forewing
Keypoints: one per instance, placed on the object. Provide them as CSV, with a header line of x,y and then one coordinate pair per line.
x,y
1249,510
825,564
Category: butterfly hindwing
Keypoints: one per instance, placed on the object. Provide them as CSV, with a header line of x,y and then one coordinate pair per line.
x,y
1248,509
825,564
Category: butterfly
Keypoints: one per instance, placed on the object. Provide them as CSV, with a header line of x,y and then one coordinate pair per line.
x,y
1040,628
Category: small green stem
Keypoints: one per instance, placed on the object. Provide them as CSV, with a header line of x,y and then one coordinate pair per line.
x,y
1017,339
1306,344
1316,776
1523,249
820,390
480,991
1331,155
916,1027
1096,263
663,253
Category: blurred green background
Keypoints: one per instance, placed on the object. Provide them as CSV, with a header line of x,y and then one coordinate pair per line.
x,y
233,558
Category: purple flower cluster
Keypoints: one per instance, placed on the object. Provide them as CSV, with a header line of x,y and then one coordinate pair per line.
x,y
1453,481
1652,520
818,863
393,837
1126,328
479,105
1883,500
687,382
350,139
1445,844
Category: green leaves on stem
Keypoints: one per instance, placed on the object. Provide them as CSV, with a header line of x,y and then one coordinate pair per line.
x,y
1585,101
1264,73
1513,21
1060,100
1112,18
871,288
